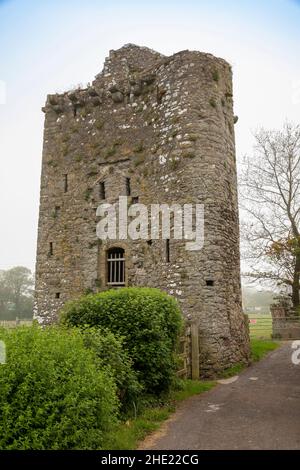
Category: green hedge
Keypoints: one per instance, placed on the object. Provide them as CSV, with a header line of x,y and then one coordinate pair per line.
x,y
113,357
53,395
149,321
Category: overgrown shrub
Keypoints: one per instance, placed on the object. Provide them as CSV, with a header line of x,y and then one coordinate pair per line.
x,y
149,321
112,356
53,395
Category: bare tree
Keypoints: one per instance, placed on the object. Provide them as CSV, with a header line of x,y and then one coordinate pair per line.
x,y
270,196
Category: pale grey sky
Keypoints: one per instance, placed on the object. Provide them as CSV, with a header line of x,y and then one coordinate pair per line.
x,y
52,45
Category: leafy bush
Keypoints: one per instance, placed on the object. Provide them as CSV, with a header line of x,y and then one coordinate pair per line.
x,y
112,356
53,395
149,321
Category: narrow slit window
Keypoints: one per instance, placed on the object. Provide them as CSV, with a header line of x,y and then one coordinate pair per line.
x,y
66,183
51,248
116,267
168,250
102,190
57,211
128,188
57,295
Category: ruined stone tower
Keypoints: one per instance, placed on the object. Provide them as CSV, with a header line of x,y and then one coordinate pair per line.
x,y
159,130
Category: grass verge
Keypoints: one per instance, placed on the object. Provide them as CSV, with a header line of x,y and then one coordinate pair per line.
x,y
259,348
128,434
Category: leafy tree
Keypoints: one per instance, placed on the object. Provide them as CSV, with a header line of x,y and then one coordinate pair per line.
x,y
4,293
16,292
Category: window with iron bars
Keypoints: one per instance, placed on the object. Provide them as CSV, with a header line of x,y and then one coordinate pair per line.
x,y
116,267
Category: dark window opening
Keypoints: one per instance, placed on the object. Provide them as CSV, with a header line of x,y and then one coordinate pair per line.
x,y
135,200
57,295
149,242
74,111
128,188
51,248
102,190
116,267
66,186
168,250
159,94
209,283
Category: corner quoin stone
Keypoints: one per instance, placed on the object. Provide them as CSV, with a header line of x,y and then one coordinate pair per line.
x,y
166,123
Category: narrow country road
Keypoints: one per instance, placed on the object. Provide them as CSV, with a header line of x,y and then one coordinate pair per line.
x,y
259,410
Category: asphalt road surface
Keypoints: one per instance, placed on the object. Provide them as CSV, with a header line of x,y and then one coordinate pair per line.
x,y
259,409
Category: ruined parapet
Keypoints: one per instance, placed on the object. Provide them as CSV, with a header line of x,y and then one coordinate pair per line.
x,y
166,125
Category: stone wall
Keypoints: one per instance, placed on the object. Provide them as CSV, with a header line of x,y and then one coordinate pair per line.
x,y
166,123
285,322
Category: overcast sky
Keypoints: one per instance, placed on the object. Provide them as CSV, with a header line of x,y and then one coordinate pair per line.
x,y
49,46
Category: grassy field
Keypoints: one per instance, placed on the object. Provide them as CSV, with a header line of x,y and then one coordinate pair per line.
x,y
13,324
260,326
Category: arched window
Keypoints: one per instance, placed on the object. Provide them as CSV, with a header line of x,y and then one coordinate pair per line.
x,y
116,267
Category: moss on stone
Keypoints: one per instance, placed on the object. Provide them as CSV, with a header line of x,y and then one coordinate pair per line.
x,y
87,193
109,152
139,147
215,75
213,103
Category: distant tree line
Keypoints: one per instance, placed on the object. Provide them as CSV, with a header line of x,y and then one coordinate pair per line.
x,y
16,293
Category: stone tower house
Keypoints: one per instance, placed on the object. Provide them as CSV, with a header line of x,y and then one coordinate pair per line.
x,y
159,130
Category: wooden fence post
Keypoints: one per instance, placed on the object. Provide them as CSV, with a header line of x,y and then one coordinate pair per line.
x,y
195,350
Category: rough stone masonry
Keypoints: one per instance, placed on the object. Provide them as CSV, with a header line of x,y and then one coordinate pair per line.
x,y
159,130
